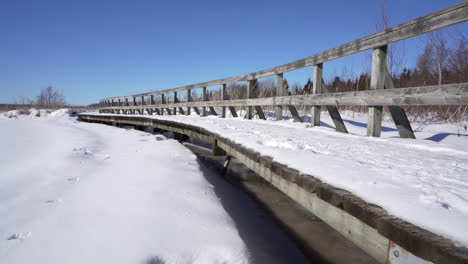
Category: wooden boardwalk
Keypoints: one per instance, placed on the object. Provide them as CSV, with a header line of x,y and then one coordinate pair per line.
x,y
368,226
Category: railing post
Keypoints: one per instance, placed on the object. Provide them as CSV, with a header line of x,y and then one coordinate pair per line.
x,y
175,101
204,99
163,101
189,99
379,62
250,89
223,97
279,92
152,99
134,105
317,89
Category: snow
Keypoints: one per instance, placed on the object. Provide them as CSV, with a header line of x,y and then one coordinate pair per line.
x,y
74,192
423,181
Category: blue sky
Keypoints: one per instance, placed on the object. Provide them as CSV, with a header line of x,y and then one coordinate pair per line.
x,y
95,49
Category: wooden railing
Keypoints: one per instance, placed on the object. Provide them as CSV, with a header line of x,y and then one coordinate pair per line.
x,y
382,91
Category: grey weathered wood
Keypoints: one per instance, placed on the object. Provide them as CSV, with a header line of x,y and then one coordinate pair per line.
x,y
189,99
212,111
447,94
398,113
204,99
260,113
295,115
379,62
197,111
279,92
334,113
152,99
446,17
157,111
317,89
250,89
232,109
223,97
143,100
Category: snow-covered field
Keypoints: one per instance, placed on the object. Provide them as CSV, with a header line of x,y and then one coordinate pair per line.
x,y
423,181
73,192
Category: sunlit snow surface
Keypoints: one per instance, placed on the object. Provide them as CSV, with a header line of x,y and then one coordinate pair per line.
x,y
74,192
423,181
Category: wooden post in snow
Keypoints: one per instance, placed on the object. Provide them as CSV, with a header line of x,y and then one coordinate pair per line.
x,y
317,89
379,62
279,92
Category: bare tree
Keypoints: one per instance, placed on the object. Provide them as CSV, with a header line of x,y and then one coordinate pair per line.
x,y
50,97
441,53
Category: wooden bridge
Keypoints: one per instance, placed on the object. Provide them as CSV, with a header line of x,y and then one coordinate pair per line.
x,y
368,226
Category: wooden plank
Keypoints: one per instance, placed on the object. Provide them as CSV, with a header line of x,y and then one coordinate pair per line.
x,y
292,109
334,113
204,99
446,94
212,111
446,17
197,111
379,62
223,97
250,87
260,113
317,89
176,100
233,111
279,92
189,99
398,113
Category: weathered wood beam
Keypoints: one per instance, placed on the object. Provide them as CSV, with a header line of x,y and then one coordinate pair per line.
x,y
446,94
279,92
398,113
334,113
223,97
250,88
204,99
189,99
232,109
317,89
379,62
212,111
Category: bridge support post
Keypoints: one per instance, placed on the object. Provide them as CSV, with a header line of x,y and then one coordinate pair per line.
x,y
217,151
189,99
203,99
398,113
379,61
279,92
176,100
250,88
317,89
223,97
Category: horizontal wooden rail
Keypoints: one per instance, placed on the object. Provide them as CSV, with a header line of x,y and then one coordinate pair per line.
x,y
449,94
446,17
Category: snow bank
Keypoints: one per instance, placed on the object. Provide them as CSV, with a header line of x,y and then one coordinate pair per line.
x,y
423,181
74,192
